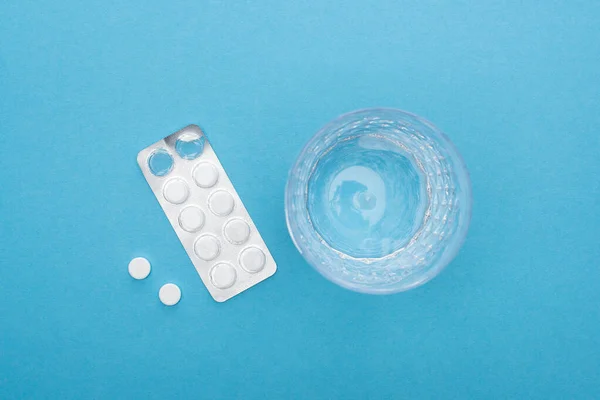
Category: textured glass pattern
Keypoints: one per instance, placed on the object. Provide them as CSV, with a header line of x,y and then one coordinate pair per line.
x,y
378,201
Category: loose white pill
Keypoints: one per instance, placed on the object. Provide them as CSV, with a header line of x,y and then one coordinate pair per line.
x,y
252,259
221,203
205,175
237,231
223,275
139,268
207,247
191,219
169,294
176,191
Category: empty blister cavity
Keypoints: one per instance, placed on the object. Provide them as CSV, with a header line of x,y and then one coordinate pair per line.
x,y
191,219
221,203
207,247
252,259
205,175
169,294
237,231
223,275
189,145
176,191
160,162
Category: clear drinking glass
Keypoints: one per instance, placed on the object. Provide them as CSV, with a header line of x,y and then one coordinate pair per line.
x,y
378,201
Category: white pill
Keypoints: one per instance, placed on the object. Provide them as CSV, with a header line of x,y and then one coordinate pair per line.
x,y
191,219
207,247
176,191
237,231
221,203
169,294
139,268
223,275
252,259
205,175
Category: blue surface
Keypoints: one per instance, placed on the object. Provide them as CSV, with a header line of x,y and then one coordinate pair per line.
x,y
85,85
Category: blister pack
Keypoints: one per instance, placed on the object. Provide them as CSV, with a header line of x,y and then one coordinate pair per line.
x,y
206,212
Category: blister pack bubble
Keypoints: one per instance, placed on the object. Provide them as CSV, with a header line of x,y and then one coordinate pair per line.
x,y
206,213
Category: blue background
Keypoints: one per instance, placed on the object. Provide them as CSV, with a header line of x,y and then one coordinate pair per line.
x,y
85,85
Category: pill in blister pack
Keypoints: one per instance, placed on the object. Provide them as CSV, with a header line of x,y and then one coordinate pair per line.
x,y
206,212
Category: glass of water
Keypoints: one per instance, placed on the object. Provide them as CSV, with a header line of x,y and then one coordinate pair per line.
x,y
378,201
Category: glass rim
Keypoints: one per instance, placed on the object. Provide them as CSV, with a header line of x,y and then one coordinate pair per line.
x,y
449,251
